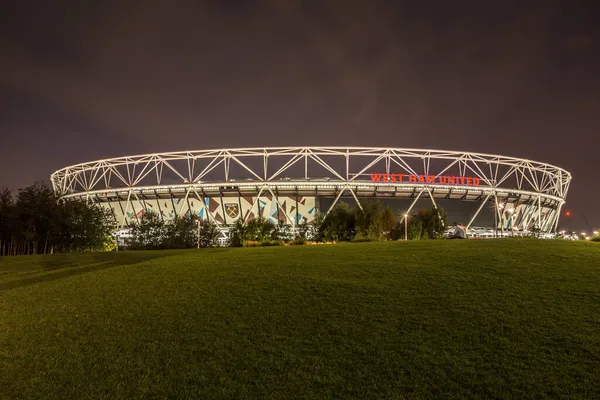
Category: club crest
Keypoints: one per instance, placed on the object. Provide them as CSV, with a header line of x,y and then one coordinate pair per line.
x,y
232,209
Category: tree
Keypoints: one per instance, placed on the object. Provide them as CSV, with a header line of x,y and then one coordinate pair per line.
x,y
36,210
7,221
425,224
209,234
153,233
282,232
434,222
259,229
238,233
313,230
37,221
388,222
374,222
368,221
149,233
339,224
181,233
80,226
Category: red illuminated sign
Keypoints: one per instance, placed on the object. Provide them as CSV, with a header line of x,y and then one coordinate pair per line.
x,y
431,179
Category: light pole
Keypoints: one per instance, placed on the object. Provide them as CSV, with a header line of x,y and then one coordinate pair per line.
x,y
198,240
568,215
405,226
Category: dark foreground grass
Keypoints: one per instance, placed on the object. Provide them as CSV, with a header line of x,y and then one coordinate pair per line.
x,y
440,319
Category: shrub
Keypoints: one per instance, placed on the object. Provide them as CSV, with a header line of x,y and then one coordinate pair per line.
x,y
362,237
272,243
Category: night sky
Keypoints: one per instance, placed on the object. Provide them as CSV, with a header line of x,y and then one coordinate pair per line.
x,y
85,80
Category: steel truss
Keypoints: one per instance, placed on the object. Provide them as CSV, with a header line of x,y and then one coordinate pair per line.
x,y
523,193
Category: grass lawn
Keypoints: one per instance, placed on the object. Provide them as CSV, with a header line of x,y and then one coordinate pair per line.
x,y
433,319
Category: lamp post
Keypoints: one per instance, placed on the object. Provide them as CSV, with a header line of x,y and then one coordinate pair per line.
x,y
198,240
568,215
405,226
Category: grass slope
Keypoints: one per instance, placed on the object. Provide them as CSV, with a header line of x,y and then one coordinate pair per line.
x,y
445,319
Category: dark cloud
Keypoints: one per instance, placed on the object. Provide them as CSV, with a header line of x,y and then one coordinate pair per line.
x,y
83,81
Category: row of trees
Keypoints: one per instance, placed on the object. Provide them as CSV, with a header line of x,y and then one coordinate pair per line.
x,y
265,233
154,233
374,222
371,223
35,221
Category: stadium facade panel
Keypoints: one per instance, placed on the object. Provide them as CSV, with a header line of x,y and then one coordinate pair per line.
x,y
286,183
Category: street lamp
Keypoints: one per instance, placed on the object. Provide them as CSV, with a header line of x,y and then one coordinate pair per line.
x,y
406,226
198,241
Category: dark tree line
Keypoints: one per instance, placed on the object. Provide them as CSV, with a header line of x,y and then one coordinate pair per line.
x,y
154,233
262,232
374,222
342,224
36,221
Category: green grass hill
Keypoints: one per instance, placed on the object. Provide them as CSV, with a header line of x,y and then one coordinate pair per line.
x,y
432,319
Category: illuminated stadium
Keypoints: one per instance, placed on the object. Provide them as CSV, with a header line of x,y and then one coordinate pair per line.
x,y
290,184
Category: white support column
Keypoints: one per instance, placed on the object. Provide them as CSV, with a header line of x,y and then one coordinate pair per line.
x,y
539,219
431,197
412,205
548,221
184,202
355,198
558,216
253,204
279,205
478,210
335,201
347,164
126,207
499,215
530,210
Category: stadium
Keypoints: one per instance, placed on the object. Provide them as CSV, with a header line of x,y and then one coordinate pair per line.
x,y
290,185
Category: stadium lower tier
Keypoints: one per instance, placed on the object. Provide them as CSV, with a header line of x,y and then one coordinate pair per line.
x,y
221,210
292,210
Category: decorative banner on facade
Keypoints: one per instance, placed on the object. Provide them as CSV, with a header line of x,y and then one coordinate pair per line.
x,y
427,179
